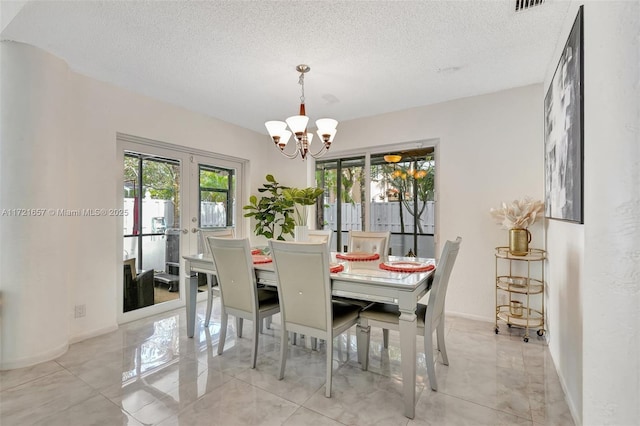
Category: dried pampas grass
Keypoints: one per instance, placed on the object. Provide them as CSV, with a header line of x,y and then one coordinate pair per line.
x,y
518,214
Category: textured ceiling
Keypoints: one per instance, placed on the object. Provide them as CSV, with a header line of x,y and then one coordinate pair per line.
x,y
235,60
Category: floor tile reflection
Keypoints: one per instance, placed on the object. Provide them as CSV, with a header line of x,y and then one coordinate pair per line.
x,y
149,373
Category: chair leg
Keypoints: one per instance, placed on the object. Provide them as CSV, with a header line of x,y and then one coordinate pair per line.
x,y
239,326
327,386
254,349
385,338
363,339
441,346
223,331
209,299
267,322
314,343
284,346
428,356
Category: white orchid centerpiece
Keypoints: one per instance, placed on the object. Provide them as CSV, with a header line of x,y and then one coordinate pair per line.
x,y
518,214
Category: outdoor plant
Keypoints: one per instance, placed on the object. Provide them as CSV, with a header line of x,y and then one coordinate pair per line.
x,y
518,214
272,212
302,199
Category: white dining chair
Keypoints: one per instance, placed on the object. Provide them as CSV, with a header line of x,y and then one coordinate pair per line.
x,y
321,236
369,242
203,247
430,318
203,233
304,288
239,293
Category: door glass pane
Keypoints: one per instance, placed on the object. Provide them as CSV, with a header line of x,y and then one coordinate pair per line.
x,y
402,200
217,197
343,206
151,229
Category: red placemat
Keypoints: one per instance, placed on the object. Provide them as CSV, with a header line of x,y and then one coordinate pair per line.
x,y
358,256
334,268
261,258
407,266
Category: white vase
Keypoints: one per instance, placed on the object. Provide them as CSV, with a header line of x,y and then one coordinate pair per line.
x,y
301,233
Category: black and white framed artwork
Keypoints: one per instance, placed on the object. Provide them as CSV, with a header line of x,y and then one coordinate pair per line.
x,y
563,132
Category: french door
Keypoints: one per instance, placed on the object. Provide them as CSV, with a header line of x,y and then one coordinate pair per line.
x,y
168,194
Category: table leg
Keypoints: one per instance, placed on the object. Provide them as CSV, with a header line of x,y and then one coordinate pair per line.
x,y
408,359
191,285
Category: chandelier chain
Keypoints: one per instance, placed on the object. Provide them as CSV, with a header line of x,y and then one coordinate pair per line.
x,y
301,83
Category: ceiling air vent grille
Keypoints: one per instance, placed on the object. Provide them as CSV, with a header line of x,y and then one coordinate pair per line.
x,y
527,4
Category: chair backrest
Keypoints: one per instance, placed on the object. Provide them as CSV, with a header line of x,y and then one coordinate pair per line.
x,y
321,236
236,276
438,293
369,242
131,262
203,247
304,285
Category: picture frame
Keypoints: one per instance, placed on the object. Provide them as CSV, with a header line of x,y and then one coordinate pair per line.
x,y
564,132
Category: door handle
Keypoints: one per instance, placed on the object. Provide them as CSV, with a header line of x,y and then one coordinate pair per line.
x,y
194,230
185,231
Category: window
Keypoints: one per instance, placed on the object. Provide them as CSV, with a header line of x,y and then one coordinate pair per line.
x,y
217,197
389,196
343,206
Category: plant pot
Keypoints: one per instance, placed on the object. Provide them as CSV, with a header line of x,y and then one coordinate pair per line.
x,y
301,233
519,240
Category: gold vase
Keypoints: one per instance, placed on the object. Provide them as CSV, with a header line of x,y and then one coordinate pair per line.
x,y
519,240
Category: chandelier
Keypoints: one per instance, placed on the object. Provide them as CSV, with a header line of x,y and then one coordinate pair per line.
x,y
326,129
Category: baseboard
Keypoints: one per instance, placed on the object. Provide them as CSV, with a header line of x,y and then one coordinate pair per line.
x,y
575,414
36,359
470,317
93,333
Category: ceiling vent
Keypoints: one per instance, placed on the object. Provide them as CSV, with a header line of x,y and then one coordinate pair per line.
x,y
522,5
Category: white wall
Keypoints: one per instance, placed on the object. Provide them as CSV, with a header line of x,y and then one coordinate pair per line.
x,y
34,262
490,150
611,290
565,280
595,268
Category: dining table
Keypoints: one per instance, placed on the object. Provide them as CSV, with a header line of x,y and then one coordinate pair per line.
x,y
363,280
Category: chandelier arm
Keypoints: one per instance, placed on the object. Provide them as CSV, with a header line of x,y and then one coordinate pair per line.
x,y
290,156
320,153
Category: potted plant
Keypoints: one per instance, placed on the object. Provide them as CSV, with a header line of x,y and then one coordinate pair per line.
x,y
272,212
516,217
302,198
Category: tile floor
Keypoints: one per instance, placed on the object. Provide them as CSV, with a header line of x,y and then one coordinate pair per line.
x,y
149,373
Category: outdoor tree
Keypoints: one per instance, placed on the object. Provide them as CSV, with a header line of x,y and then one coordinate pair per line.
x,y
409,182
161,179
